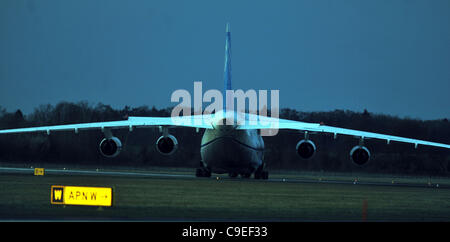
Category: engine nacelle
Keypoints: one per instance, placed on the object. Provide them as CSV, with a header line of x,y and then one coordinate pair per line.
x,y
110,147
167,145
305,148
360,155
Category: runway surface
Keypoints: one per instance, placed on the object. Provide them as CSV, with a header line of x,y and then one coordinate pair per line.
x,y
98,172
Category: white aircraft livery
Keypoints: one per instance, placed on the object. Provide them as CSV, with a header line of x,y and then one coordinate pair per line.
x,y
236,148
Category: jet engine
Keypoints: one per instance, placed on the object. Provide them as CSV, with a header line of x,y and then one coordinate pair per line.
x,y
360,155
167,145
306,148
110,147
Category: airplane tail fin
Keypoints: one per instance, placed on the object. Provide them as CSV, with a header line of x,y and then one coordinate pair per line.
x,y
227,68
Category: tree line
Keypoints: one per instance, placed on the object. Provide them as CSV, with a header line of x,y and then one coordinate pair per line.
x,y
139,145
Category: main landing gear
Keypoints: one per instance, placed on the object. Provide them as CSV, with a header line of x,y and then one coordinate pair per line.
x,y
261,173
203,171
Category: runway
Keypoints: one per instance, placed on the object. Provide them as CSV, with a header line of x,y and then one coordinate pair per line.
x,y
98,172
175,194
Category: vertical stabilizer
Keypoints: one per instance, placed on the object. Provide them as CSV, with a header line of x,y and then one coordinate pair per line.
x,y
227,68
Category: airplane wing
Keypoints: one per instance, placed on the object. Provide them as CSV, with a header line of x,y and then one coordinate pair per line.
x,y
274,123
195,121
205,121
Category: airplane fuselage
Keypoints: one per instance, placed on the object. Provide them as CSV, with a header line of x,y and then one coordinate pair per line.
x,y
226,149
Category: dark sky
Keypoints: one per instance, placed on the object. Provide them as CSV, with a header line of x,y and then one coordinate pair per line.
x,y
390,57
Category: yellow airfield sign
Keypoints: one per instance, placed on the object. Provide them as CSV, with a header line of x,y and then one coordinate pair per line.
x,y
76,195
38,171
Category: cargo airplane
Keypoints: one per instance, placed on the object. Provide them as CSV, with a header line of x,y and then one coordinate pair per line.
x,y
236,149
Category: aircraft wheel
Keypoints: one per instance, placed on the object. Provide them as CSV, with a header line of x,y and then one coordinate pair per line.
x,y
257,175
199,172
265,175
207,173
202,172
